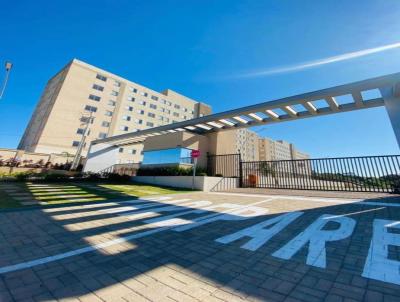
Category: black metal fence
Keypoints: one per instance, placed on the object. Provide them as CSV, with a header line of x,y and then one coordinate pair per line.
x,y
354,174
226,165
357,174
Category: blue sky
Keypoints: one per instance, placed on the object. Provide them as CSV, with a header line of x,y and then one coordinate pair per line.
x,y
202,49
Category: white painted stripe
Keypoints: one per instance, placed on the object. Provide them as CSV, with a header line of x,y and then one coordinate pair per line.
x,y
317,199
28,264
354,213
162,198
32,263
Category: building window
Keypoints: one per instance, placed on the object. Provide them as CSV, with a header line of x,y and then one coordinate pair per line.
x,y
101,77
124,128
115,93
143,93
152,106
134,90
133,151
137,121
108,113
111,103
75,144
90,108
80,131
129,108
94,97
153,97
117,84
105,124
176,106
102,135
149,124
142,103
126,118
140,112
131,99
98,87
176,114
85,119
151,114
120,150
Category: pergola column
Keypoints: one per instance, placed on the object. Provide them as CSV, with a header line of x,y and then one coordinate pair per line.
x,y
391,99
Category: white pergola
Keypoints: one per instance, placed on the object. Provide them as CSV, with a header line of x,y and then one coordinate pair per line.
x,y
103,153
386,88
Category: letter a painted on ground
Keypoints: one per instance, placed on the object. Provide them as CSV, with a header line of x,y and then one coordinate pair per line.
x,y
259,234
378,266
317,238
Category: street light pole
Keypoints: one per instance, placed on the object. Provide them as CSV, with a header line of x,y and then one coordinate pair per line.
x,y
77,157
8,66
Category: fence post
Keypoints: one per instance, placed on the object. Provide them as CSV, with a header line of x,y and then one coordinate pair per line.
x,y
240,171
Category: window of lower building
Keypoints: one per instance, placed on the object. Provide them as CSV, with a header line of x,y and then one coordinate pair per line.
x,y
75,143
90,108
102,135
94,97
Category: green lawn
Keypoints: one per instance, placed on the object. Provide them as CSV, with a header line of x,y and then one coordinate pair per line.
x,y
59,193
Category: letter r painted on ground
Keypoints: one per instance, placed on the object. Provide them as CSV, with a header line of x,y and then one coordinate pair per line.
x,y
317,238
259,234
378,266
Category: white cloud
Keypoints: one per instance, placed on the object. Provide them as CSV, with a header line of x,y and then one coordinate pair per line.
x,y
315,63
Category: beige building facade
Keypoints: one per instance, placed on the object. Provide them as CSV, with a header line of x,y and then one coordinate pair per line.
x,y
270,150
83,100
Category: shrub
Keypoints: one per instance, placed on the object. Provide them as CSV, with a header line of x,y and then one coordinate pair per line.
x,y
117,177
55,177
22,176
396,186
169,171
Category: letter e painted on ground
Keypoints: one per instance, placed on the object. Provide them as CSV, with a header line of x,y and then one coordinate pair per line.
x,y
378,266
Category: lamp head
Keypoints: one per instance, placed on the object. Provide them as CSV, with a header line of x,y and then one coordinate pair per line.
x,y
8,65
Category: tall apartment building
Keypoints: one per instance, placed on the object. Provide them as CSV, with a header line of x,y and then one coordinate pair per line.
x,y
279,150
247,144
82,95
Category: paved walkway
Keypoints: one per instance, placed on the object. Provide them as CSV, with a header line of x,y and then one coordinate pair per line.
x,y
204,247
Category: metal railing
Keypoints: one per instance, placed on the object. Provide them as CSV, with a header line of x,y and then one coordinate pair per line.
x,y
122,169
357,174
226,165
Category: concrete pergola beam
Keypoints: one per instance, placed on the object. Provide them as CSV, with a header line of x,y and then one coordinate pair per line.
x,y
388,85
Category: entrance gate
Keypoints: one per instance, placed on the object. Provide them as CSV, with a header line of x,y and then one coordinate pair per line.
x,y
353,174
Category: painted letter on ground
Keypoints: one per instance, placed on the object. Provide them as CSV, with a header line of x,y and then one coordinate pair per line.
x,y
259,234
317,238
378,266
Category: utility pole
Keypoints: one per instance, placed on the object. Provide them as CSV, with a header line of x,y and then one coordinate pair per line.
x,y
8,66
77,157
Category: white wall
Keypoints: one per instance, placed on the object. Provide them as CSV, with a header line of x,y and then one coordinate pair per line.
x,y
100,157
202,183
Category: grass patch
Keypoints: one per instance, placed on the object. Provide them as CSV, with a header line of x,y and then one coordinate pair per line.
x,y
58,193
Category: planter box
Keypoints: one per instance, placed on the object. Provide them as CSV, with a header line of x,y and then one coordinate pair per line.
x,y
202,183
